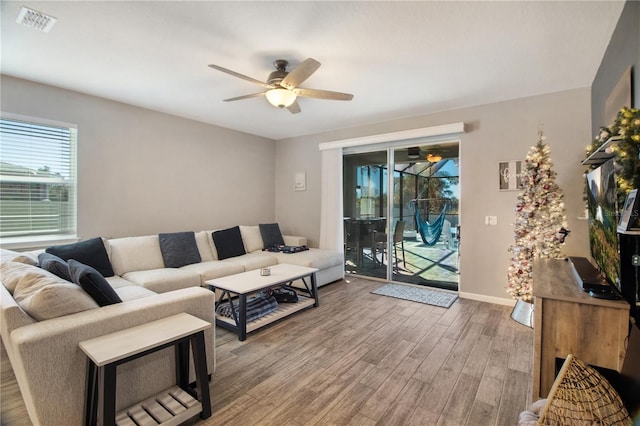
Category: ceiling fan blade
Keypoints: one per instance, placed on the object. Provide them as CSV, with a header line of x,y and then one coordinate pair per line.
x,y
300,73
238,98
242,76
294,108
322,94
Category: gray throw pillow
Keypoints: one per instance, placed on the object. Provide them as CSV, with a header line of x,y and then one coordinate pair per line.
x,y
271,235
228,243
93,283
90,252
179,249
55,265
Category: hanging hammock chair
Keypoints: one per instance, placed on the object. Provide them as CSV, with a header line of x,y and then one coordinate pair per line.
x,y
429,232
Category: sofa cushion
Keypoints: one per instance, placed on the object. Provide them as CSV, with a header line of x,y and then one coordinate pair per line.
x,y
251,238
165,279
313,258
90,252
93,283
133,292
30,258
117,282
135,254
228,242
12,272
203,239
179,249
215,269
256,260
42,294
55,265
271,235
56,300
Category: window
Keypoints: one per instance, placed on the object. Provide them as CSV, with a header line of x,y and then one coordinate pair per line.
x,y
37,181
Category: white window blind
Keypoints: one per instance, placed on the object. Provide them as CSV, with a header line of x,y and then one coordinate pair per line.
x,y
37,181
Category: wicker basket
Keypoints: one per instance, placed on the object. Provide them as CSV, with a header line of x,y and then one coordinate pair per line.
x,y
581,396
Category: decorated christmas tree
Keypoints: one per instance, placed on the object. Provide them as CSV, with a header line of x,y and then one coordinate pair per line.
x,y
540,226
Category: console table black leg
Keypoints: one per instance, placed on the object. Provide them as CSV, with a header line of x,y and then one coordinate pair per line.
x,y
182,364
200,364
107,406
91,401
242,317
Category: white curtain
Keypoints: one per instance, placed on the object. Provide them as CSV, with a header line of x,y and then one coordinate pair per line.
x,y
331,212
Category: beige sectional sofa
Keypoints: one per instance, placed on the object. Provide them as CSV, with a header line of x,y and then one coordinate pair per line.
x,y
43,346
139,260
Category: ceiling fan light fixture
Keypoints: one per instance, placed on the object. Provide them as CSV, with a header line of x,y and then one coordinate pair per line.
x,y
434,158
281,98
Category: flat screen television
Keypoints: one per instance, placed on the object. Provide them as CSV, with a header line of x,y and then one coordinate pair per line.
x,y
603,221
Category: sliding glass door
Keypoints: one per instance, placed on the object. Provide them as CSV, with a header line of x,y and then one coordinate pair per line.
x,y
412,235
365,212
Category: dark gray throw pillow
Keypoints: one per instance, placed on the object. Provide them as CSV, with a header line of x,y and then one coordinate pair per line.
x,y
228,243
179,249
90,252
93,283
271,235
55,265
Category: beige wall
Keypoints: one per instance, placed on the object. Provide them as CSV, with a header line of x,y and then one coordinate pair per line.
x,y
495,132
143,172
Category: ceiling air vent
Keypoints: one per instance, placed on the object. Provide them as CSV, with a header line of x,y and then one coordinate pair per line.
x,y
34,19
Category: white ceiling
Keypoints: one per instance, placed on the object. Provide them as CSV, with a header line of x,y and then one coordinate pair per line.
x,y
398,59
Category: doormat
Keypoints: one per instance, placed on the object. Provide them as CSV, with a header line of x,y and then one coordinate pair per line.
x,y
417,294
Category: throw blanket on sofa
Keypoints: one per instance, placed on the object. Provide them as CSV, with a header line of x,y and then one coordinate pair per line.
x,y
257,307
286,249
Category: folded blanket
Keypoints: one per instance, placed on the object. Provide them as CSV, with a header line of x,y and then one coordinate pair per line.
x,y
530,416
257,307
286,249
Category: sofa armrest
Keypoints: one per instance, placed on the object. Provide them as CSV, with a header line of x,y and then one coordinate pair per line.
x,y
294,240
51,368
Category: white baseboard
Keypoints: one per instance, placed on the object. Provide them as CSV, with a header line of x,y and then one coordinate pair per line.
x,y
488,299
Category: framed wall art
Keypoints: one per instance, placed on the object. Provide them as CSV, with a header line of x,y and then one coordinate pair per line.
x,y
510,175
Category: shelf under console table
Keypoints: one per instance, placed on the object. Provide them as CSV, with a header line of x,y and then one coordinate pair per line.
x,y
569,321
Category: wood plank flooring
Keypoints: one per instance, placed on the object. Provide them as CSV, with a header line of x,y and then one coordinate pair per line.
x,y
364,359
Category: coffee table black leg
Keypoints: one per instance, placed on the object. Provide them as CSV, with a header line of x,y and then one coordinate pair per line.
x,y
314,287
242,317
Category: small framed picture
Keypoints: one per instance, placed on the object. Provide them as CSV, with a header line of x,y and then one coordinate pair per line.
x,y
630,212
510,175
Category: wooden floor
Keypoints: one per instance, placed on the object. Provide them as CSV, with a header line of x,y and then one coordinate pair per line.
x,y
364,359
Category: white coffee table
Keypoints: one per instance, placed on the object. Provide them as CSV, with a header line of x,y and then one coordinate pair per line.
x,y
246,283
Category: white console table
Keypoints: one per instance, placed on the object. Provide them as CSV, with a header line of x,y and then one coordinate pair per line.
x,y
171,407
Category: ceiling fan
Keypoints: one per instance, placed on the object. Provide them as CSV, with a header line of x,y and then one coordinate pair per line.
x,y
282,86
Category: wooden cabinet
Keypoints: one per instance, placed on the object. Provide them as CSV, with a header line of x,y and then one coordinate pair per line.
x,y
569,321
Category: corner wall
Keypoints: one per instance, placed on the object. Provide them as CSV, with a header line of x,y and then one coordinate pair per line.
x,y
143,172
623,51
495,132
